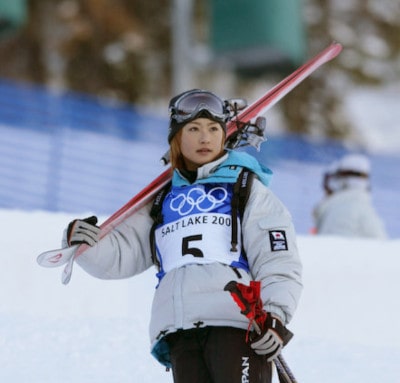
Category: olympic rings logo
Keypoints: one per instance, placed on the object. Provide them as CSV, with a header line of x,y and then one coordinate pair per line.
x,y
198,198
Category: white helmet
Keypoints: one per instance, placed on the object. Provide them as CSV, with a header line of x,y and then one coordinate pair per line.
x,y
355,164
350,172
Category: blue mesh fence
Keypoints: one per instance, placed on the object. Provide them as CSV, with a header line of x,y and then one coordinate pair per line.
x,y
71,152
74,153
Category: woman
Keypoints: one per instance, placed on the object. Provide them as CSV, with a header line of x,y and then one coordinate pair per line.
x,y
196,328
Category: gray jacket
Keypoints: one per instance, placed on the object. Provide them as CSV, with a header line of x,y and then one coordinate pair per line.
x,y
193,295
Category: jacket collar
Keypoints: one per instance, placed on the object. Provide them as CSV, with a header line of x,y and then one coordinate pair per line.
x,y
225,169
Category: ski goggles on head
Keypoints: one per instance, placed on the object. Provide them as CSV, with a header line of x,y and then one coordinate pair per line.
x,y
190,104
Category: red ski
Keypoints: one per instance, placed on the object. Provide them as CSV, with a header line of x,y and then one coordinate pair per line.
x,y
59,257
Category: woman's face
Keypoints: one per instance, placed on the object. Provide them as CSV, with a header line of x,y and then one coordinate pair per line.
x,y
201,142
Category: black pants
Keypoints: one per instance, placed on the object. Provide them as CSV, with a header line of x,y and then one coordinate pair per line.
x,y
216,355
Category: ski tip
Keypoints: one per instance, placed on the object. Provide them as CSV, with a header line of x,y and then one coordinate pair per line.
x,y
66,274
56,258
335,48
65,278
328,54
44,259
50,258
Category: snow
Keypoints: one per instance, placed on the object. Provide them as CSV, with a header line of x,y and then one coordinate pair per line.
x,y
346,327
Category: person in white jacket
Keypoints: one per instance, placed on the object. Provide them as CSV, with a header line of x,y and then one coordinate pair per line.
x,y
347,208
196,328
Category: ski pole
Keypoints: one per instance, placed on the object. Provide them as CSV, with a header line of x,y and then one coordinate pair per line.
x,y
284,372
248,309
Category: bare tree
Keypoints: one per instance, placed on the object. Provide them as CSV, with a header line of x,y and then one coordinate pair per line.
x,y
118,48
370,33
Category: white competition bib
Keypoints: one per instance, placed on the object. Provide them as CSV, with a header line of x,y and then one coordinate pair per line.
x,y
197,228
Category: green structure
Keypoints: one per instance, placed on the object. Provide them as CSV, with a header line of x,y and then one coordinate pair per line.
x,y
13,14
257,34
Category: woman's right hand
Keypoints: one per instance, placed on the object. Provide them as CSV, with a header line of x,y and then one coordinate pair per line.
x,y
82,231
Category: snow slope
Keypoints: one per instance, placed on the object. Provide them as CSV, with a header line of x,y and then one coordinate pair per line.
x,y
92,331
